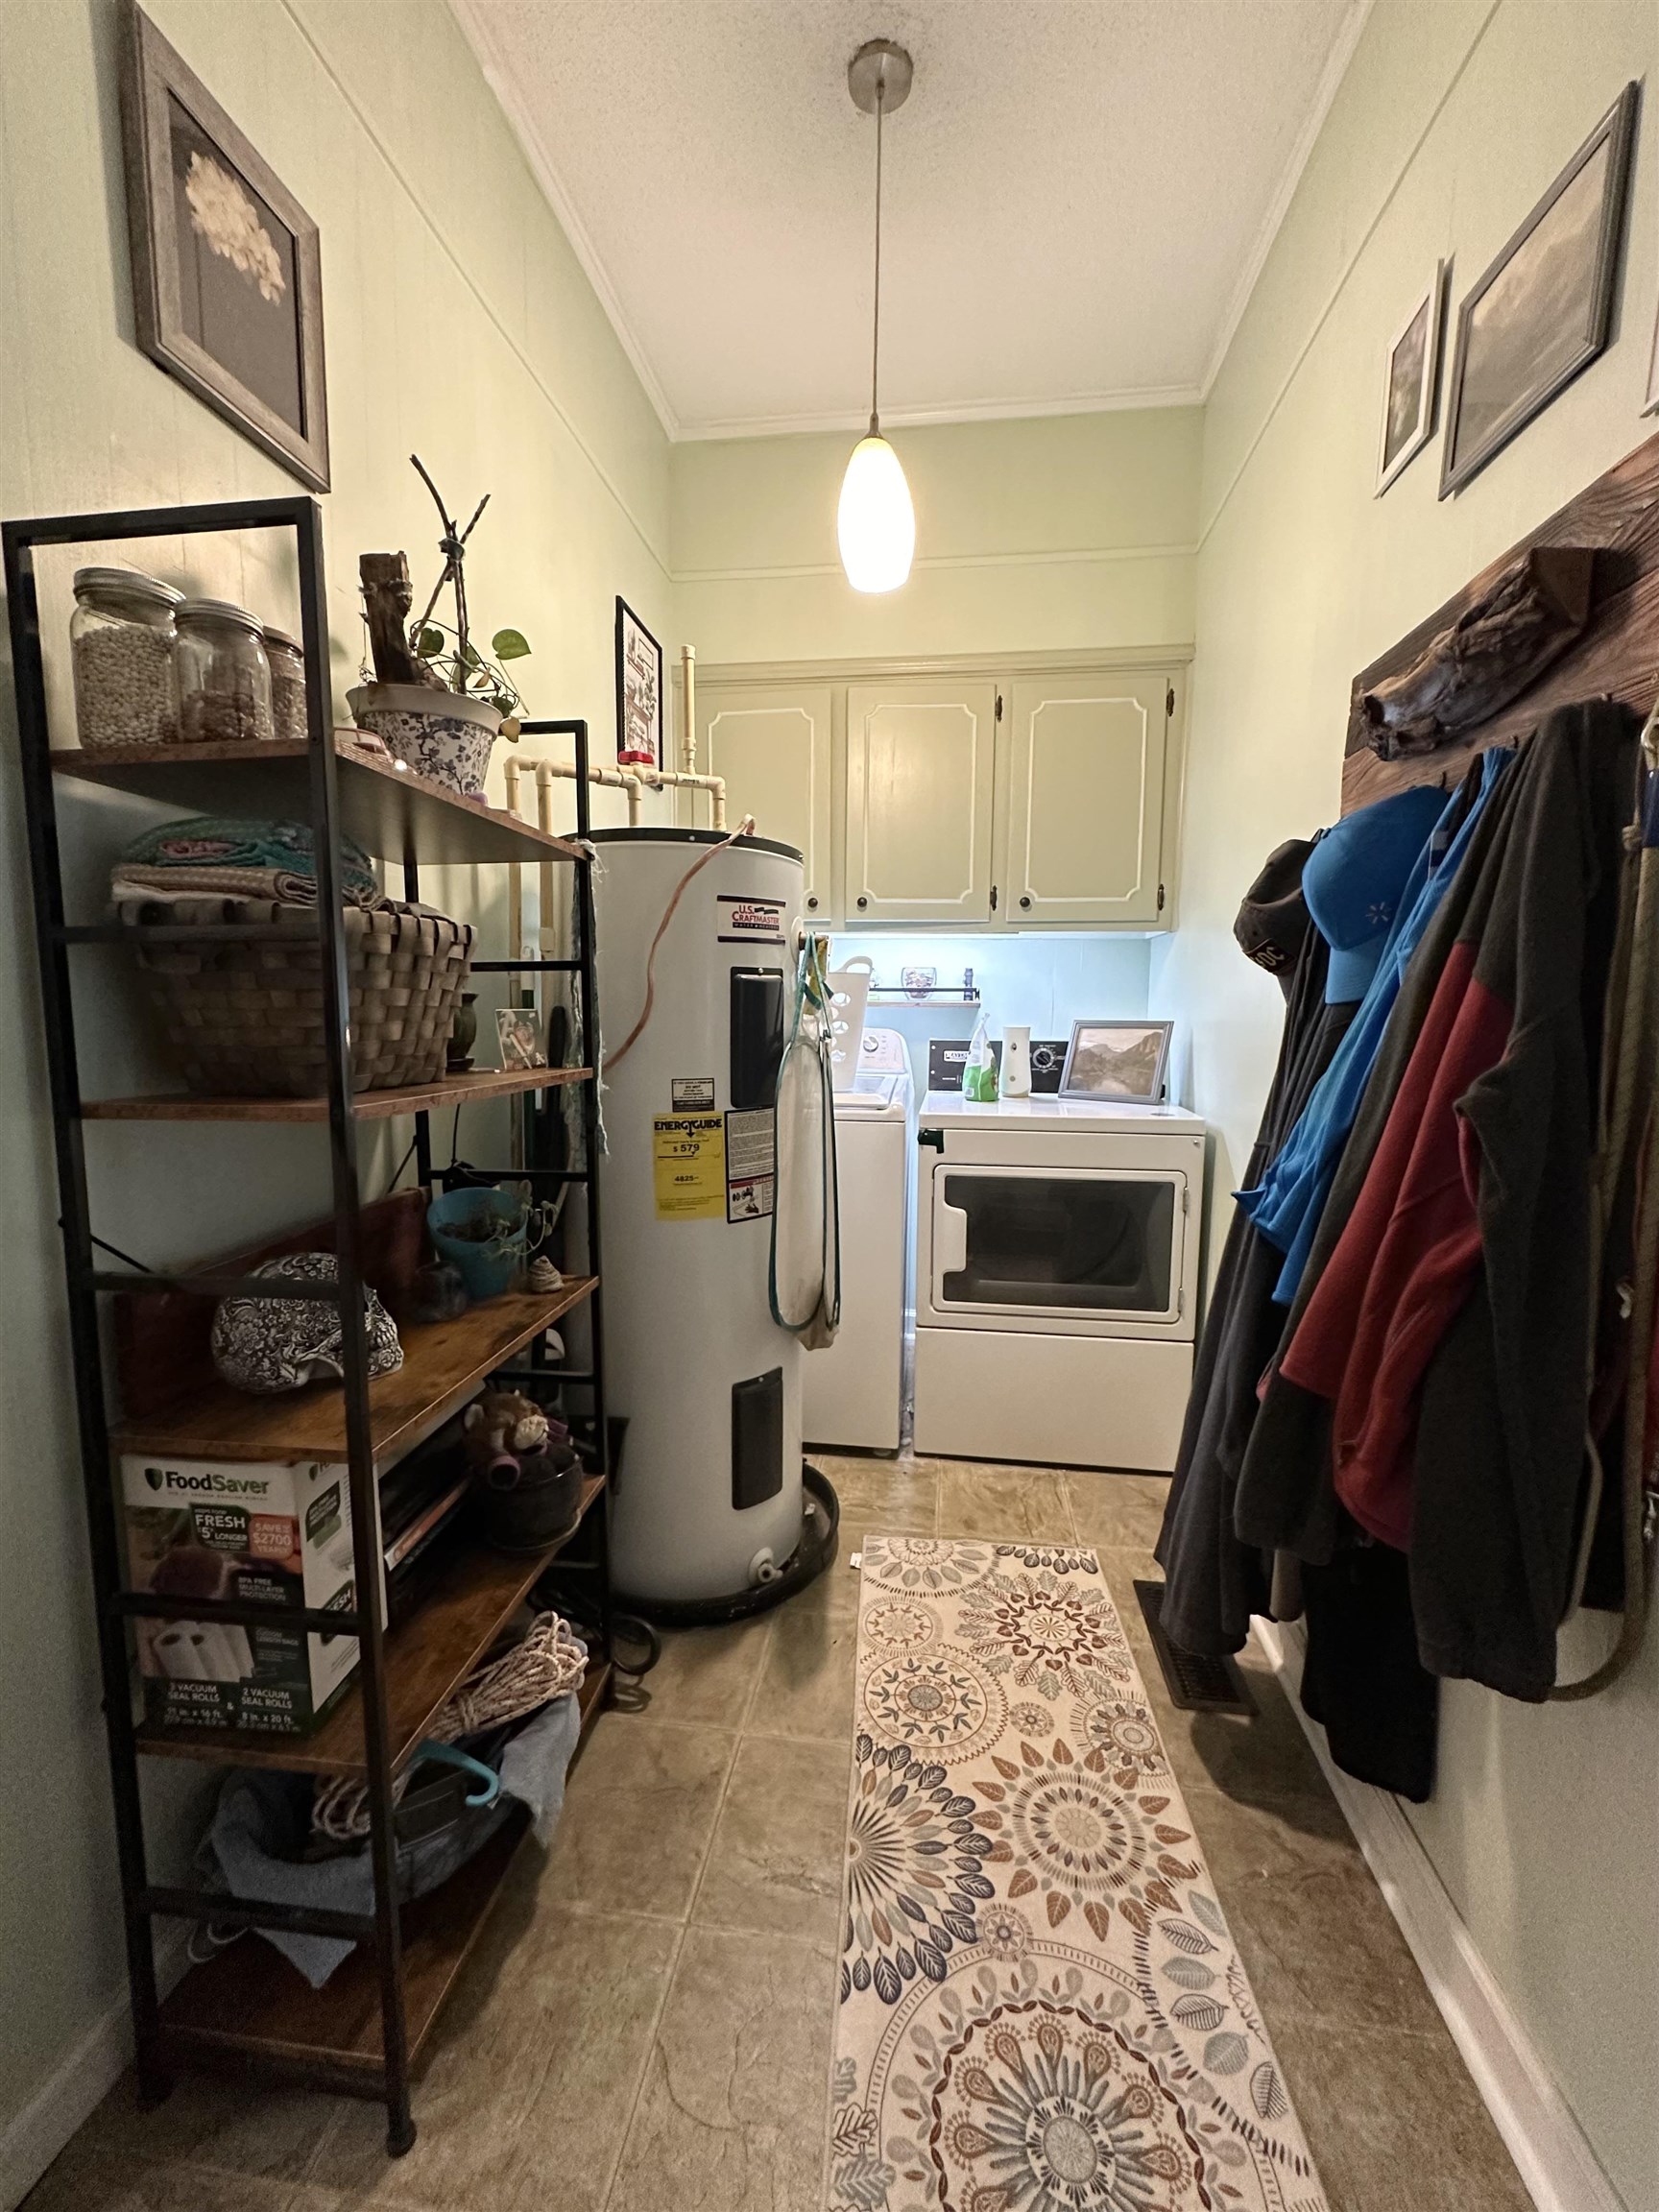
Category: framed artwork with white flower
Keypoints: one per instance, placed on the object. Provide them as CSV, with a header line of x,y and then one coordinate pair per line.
x,y
226,271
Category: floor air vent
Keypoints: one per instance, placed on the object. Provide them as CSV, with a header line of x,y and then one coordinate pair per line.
x,y
1195,1684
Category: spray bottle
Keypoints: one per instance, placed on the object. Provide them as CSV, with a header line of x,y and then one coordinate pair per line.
x,y
980,1068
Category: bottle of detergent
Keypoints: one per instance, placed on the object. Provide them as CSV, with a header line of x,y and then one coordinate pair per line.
x,y
980,1068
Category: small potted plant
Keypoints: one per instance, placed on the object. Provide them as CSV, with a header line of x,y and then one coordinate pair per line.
x,y
436,703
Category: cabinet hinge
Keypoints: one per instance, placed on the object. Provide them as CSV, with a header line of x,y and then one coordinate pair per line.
x,y
999,706
1186,1198
1169,701
1160,898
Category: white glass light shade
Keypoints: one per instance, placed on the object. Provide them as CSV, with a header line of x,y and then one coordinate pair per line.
x,y
875,522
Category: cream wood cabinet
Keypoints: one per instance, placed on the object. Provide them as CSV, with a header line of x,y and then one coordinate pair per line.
x,y
1081,799
1026,800
773,747
921,782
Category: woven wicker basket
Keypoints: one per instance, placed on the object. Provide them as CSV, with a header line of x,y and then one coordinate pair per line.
x,y
246,1021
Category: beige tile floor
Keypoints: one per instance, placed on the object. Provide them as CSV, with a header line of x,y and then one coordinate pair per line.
x,y
646,2025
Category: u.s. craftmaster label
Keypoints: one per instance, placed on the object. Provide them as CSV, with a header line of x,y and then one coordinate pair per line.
x,y
749,921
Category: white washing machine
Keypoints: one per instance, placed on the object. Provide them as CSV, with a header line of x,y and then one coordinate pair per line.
x,y
852,1393
1056,1280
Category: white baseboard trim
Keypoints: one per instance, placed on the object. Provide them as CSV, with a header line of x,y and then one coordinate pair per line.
x,y
74,2089
1551,2153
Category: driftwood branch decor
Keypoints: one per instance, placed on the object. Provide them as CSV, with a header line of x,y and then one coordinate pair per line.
x,y
1614,655
424,651
388,595
1524,619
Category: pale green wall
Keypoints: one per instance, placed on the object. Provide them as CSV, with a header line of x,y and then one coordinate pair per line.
x,y
1077,530
1450,121
458,323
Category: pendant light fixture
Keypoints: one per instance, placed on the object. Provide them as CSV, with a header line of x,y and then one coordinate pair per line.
x,y
875,522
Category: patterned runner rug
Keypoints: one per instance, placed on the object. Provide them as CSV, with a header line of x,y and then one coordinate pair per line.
x,y
1041,2010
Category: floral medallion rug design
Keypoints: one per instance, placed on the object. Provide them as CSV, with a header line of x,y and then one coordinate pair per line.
x,y
1041,2007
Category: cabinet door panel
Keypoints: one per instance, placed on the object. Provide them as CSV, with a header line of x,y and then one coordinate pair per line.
x,y
1086,798
919,768
773,749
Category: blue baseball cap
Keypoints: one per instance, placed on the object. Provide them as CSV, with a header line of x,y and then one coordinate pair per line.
x,y
1354,877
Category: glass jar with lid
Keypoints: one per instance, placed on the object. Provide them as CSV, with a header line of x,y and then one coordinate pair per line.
x,y
224,674
287,685
121,648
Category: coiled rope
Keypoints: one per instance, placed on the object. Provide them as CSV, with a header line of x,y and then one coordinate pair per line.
x,y
550,1662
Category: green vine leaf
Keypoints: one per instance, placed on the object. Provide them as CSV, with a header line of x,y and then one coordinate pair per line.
x,y
509,646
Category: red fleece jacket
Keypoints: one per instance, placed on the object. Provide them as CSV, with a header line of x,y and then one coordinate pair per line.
x,y
1404,1263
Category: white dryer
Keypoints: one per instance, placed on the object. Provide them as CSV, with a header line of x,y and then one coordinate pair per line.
x,y
1056,1280
852,1392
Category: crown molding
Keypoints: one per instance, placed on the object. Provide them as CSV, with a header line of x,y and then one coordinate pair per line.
x,y
472,16
1290,177
1017,410
474,20
1062,557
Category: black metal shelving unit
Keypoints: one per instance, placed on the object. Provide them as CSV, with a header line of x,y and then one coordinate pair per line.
x,y
246,2007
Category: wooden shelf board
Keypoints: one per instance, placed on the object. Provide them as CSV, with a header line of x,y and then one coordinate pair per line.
x,y
388,809
248,2003
427,1657
367,1105
444,1364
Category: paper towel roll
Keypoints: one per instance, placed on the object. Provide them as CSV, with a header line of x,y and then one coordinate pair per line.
x,y
223,1651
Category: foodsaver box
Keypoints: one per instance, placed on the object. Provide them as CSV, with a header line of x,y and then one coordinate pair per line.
x,y
270,1532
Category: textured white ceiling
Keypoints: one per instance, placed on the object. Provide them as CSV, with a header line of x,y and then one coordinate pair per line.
x,y
1077,197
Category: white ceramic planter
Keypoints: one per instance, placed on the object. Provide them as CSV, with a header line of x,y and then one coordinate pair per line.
x,y
437,733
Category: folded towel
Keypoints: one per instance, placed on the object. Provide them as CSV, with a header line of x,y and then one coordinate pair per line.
x,y
266,859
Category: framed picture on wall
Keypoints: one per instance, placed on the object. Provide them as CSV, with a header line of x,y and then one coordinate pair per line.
x,y
1411,384
638,692
227,268
1120,1060
1541,313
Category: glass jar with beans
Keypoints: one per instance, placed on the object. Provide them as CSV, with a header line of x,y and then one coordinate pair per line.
x,y
224,674
121,648
287,685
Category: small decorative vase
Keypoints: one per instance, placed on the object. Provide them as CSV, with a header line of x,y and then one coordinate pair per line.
x,y
439,733
1016,1061
462,1035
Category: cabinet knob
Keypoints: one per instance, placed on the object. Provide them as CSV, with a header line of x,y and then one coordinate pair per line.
x,y
1025,899
863,901
812,905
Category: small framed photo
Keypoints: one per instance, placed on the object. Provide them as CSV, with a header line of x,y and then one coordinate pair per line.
x,y
227,269
1117,1060
523,1044
1543,311
1411,388
638,692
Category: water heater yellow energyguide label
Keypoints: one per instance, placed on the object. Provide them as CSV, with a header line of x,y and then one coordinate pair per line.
x,y
688,1166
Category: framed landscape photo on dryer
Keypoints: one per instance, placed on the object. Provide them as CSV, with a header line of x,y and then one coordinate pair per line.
x,y
1117,1061
226,267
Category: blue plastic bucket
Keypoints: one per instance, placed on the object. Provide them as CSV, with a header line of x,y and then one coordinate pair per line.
x,y
489,1267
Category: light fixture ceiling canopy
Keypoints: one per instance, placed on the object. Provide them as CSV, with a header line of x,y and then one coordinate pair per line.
x,y
881,70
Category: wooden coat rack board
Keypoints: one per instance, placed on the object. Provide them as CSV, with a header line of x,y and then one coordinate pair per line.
x,y
1569,613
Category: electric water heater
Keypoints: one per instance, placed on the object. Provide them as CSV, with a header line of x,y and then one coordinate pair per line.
x,y
708,1501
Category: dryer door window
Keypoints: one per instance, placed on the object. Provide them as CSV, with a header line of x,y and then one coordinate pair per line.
x,y
1058,1242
